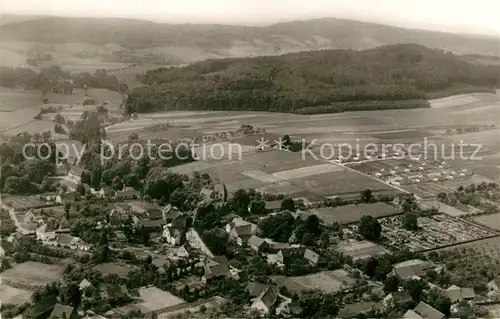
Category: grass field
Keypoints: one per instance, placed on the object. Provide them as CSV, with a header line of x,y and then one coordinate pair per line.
x,y
32,274
13,100
14,296
326,281
360,249
112,268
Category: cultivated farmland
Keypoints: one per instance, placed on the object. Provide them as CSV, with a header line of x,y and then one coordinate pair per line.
x,y
360,249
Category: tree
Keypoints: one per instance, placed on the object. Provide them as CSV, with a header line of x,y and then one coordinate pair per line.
x,y
391,284
257,207
117,183
443,304
366,196
410,221
81,189
288,204
370,228
415,288
67,208
72,295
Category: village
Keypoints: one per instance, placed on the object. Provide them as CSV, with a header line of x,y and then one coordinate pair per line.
x,y
79,252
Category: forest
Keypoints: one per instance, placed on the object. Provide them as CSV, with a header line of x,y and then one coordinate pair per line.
x,y
388,77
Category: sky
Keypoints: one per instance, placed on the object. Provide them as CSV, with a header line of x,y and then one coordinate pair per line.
x,y
461,16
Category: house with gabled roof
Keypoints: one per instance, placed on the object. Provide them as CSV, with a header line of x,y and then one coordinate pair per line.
x,y
311,257
411,268
62,311
240,230
217,267
423,310
265,301
457,294
258,244
46,232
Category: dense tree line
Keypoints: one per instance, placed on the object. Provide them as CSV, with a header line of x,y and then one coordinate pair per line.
x,y
312,82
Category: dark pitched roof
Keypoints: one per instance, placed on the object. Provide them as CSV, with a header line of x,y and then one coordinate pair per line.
x,y
59,310
427,311
256,241
401,297
311,256
64,239
269,296
76,170
256,288
153,223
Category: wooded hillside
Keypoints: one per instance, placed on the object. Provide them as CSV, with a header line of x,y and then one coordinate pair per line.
x,y
329,80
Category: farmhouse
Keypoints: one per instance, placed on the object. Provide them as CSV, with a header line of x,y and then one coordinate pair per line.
x,y
62,311
146,209
264,302
258,244
423,310
45,233
126,193
398,298
240,230
457,294
73,178
409,269
217,267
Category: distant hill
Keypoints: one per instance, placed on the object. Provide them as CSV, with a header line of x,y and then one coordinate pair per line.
x,y
393,76
228,40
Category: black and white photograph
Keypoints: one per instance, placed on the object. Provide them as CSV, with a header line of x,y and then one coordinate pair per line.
x,y
192,159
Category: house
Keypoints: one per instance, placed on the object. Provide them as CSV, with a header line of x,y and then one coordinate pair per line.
x,y
161,262
183,251
114,291
494,286
45,233
72,242
423,310
170,213
398,298
240,230
217,267
152,225
126,193
173,236
276,246
145,209
457,294
62,311
273,206
67,197
84,284
75,174
409,269
311,256
266,299
255,288
258,244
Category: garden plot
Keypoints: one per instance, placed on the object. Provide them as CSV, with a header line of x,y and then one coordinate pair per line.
x,y
32,274
352,213
20,203
435,231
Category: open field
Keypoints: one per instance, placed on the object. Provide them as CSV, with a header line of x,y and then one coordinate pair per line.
x,y
352,213
326,281
113,268
435,231
12,100
489,247
32,274
360,249
156,299
14,296
281,172
492,220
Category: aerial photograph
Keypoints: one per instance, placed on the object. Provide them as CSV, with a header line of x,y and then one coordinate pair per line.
x,y
249,159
